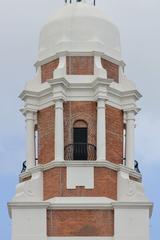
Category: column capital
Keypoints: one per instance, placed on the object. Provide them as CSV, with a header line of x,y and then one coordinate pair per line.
x,y
59,98
59,103
27,110
29,114
135,110
131,113
101,102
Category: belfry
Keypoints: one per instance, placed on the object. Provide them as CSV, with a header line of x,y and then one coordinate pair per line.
x,y
80,180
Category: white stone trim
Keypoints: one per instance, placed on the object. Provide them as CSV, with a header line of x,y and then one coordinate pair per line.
x,y
87,203
106,164
31,190
85,54
28,221
101,130
26,205
130,124
60,71
30,138
133,205
131,220
59,131
85,88
79,176
99,71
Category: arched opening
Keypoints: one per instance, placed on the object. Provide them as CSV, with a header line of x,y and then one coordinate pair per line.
x,y
80,148
80,140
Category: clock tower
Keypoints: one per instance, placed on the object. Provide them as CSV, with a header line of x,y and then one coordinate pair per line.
x,y
80,179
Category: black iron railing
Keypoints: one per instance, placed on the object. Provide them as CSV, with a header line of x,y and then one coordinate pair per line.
x,y
80,151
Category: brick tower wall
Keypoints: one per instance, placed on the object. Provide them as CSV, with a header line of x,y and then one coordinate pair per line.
x,y
114,136
80,223
80,65
46,128
86,222
86,111
47,70
55,182
112,69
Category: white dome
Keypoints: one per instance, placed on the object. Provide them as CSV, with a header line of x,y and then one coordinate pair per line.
x,y
79,28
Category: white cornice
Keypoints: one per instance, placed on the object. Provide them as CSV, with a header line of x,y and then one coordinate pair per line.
x,y
27,93
66,53
106,164
86,203
87,90
125,94
26,205
80,203
134,205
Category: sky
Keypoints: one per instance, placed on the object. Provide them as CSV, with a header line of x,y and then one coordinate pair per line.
x,y
20,25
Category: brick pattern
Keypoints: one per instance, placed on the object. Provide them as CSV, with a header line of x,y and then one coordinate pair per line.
x,y
112,69
46,128
48,69
80,111
114,135
80,223
80,65
80,124
105,184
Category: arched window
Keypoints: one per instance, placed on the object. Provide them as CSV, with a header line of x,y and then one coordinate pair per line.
x,y
80,140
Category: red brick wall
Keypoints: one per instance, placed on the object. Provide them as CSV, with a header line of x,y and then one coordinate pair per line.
x,y
80,222
112,69
80,65
114,136
54,181
74,111
48,69
86,111
46,120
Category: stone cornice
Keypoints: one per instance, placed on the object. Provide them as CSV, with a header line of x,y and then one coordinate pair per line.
x,y
99,203
134,205
66,53
62,88
106,164
125,94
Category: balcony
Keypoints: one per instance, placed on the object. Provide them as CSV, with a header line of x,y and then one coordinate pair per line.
x,y
80,151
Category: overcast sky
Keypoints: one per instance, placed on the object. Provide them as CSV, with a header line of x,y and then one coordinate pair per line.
x,y
20,24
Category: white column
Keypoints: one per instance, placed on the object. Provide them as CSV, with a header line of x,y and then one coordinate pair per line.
x,y
30,149
101,130
59,131
130,123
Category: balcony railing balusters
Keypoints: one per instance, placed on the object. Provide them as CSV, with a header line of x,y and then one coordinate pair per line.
x,y
80,151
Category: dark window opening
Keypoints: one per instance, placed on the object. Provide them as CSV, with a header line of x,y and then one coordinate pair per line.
x,y
80,143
